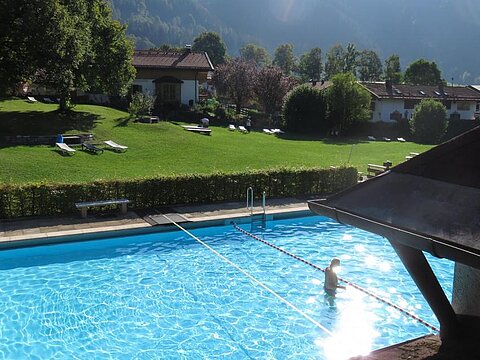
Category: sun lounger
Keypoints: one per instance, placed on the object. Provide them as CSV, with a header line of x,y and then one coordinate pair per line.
x,y
371,138
232,127
197,129
243,129
401,139
92,148
268,131
115,146
65,149
277,131
47,100
31,99
386,139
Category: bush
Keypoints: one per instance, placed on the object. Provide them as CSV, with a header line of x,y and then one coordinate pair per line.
x,y
429,121
141,104
304,110
59,199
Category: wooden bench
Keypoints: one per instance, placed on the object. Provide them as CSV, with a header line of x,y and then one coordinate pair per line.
x,y
83,206
374,170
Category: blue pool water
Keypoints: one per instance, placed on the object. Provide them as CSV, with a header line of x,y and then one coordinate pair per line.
x,y
166,296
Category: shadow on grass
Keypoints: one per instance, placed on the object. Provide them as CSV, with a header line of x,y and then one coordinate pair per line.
x,y
122,122
326,139
39,123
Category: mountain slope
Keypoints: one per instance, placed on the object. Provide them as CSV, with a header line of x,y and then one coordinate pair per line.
x,y
442,30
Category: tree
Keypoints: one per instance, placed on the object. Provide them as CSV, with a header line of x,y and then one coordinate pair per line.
x,y
213,45
335,61
64,45
284,58
350,59
271,86
310,65
423,72
393,71
304,110
254,53
348,102
369,66
429,122
235,79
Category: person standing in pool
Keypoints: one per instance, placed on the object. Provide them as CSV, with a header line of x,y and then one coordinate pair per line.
x,y
331,280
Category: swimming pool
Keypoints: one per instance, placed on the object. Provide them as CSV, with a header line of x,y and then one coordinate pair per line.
x,y
164,295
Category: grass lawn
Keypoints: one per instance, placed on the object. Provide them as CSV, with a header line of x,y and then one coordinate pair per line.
x,y
165,148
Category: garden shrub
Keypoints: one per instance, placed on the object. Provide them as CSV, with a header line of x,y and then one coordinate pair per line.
x,y
305,109
429,121
59,199
141,104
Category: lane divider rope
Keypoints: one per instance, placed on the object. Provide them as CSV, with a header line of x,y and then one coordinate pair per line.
x,y
253,279
316,267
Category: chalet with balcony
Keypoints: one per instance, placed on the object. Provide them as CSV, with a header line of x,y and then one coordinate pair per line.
x,y
391,102
172,77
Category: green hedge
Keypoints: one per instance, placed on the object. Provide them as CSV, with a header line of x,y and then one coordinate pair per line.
x,y
59,199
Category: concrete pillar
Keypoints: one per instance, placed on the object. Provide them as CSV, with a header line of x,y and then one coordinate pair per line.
x,y
466,290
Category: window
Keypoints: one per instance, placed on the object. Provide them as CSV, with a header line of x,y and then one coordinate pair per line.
x,y
463,106
447,104
136,89
410,103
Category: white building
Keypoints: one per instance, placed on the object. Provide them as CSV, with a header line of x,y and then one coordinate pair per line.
x,y
393,102
172,77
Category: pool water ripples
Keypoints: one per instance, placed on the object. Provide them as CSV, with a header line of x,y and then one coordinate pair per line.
x,y
166,296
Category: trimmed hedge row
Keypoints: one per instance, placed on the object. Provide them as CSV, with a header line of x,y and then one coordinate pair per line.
x,y
59,199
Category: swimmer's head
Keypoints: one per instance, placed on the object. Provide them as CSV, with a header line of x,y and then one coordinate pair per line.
x,y
335,262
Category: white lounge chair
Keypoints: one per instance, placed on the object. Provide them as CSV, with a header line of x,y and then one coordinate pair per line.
x,y
232,127
277,131
115,146
243,129
31,99
268,131
386,139
65,149
48,100
372,138
401,139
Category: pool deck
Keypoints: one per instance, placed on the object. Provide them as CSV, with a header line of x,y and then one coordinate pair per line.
x,y
56,227
44,228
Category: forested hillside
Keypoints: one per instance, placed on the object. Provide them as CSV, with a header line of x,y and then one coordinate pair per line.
x,y
442,30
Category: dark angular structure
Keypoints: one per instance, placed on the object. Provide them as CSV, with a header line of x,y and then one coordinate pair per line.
x,y
430,203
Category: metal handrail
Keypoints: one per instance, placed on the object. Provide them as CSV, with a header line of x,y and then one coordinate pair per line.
x,y
250,200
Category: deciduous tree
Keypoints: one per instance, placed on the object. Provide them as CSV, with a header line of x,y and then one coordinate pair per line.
x,y
254,53
271,86
285,59
213,45
429,122
310,65
369,66
348,102
350,59
335,61
423,72
235,79
393,71
65,45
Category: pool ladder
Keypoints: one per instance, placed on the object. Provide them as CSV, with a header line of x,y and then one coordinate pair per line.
x,y
251,207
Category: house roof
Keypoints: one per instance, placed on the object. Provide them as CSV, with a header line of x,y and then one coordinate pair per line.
x,y
431,202
187,60
380,90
